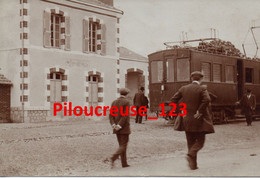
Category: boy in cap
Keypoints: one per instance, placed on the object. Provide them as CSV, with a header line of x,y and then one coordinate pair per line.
x,y
121,127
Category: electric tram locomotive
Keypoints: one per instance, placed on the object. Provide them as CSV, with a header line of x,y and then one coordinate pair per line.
x,y
227,75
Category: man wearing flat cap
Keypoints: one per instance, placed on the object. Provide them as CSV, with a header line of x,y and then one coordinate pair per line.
x,y
197,122
121,126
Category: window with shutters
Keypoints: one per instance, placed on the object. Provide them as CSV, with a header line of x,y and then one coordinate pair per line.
x,y
157,71
183,69
216,72
170,70
55,30
206,70
93,36
229,74
249,75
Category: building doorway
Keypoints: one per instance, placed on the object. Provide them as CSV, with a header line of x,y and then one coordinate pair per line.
x,y
55,89
134,80
5,103
93,90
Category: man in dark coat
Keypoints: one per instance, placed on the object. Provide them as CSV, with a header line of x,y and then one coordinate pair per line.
x,y
197,122
248,104
120,123
139,100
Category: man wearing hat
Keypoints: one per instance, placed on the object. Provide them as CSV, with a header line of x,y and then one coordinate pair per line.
x,y
139,100
248,104
197,122
121,126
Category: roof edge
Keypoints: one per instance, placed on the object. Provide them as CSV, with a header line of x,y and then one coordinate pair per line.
x,y
112,9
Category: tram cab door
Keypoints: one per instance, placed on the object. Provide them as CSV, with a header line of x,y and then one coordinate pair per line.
x,y
240,79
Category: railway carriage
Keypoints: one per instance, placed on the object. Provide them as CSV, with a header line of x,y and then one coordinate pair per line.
x,y
226,77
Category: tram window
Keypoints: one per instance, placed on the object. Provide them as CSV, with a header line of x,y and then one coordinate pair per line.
x,y
183,69
216,72
157,71
249,75
229,74
170,70
206,70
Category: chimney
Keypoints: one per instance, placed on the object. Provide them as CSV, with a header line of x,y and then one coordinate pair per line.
x,y
108,2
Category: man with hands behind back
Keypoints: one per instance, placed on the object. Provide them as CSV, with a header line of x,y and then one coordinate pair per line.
x,y
121,127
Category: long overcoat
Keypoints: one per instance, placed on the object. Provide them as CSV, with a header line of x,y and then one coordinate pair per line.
x,y
196,98
139,99
248,104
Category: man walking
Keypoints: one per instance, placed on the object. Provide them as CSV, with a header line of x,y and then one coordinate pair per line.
x,y
139,100
248,104
197,122
121,126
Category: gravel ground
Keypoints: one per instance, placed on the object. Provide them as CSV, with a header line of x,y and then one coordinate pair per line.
x,y
82,148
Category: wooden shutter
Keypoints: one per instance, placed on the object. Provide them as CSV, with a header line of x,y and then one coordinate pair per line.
x,y
58,91
217,72
183,69
103,39
55,91
229,73
93,93
67,33
154,72
85,35
170,70
46,29
205,69
160,70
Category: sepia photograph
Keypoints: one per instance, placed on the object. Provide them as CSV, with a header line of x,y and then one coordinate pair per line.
x,y
129,88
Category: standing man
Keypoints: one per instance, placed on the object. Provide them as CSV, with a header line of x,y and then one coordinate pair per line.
x,y
197,122
139,100
146,102
121,126
248,104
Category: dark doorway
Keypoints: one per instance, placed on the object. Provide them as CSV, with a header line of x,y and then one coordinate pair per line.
x,y
5,103
134,80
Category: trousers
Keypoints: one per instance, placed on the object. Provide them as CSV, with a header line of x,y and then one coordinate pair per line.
x,y
248,115
138,118
121,151
195,141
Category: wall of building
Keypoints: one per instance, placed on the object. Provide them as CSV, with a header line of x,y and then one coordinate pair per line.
x,y
10,46
76,29
10,21
76,67
76,64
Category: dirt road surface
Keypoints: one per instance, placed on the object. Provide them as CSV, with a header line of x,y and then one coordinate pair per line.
x,y
83,148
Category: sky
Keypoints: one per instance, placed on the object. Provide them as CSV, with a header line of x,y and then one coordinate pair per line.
x,y
147,24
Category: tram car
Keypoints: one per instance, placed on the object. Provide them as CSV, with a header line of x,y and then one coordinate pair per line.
x,y
227,77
